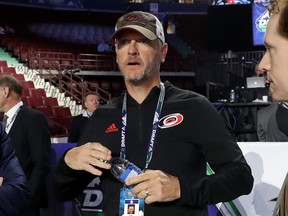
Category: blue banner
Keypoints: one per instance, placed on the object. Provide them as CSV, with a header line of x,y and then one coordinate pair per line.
x,y
260,17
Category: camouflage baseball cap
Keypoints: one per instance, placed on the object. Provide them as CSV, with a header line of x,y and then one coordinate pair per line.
x,y
143,22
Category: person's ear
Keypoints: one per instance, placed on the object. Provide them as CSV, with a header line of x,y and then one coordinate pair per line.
x,y
6,91
164,51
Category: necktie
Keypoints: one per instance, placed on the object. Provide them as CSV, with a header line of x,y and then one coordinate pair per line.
x,y
5,120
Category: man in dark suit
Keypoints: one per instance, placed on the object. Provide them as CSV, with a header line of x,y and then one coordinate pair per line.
x,y
91,103
282,116
274,61
267,127
14,193
30,135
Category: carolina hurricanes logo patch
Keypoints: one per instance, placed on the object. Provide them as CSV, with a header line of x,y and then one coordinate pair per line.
x,y
170,120
133,17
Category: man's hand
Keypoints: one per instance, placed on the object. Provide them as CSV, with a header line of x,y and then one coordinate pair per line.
x,y
1,181
155,186
89,157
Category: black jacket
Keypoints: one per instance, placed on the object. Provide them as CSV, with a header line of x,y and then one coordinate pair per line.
x,y
31,141
14,193
77,125
181,150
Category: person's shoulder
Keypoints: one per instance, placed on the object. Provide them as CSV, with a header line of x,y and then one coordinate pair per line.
x,y
268,109
113,103
80,116
28,111
178,94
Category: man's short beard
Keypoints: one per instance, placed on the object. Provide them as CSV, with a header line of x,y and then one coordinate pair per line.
x,y
142,77
138,80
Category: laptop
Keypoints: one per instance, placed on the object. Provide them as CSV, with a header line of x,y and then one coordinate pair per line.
x,y
255,82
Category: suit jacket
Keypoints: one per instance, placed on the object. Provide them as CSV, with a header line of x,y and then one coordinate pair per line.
x,y
281,118
77,125
14,194
31,140
267,127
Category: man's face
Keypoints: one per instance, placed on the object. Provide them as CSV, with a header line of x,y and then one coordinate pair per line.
x,y
138,57
275,60
130,209
92,102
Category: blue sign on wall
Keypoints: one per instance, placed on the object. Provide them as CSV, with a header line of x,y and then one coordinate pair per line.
x,y
260,17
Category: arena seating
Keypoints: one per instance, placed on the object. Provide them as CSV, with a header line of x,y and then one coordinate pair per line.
x,y
49,57
3,63
59,116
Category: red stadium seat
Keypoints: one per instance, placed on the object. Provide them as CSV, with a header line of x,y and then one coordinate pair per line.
x,y
20,77
46,110
25,100
64,121
36,102
50,101
9,70
27,84
37,92
62,115
60,111
3,63
94,85
25,92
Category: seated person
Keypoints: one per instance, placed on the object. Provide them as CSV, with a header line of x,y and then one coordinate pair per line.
x,y
91,103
